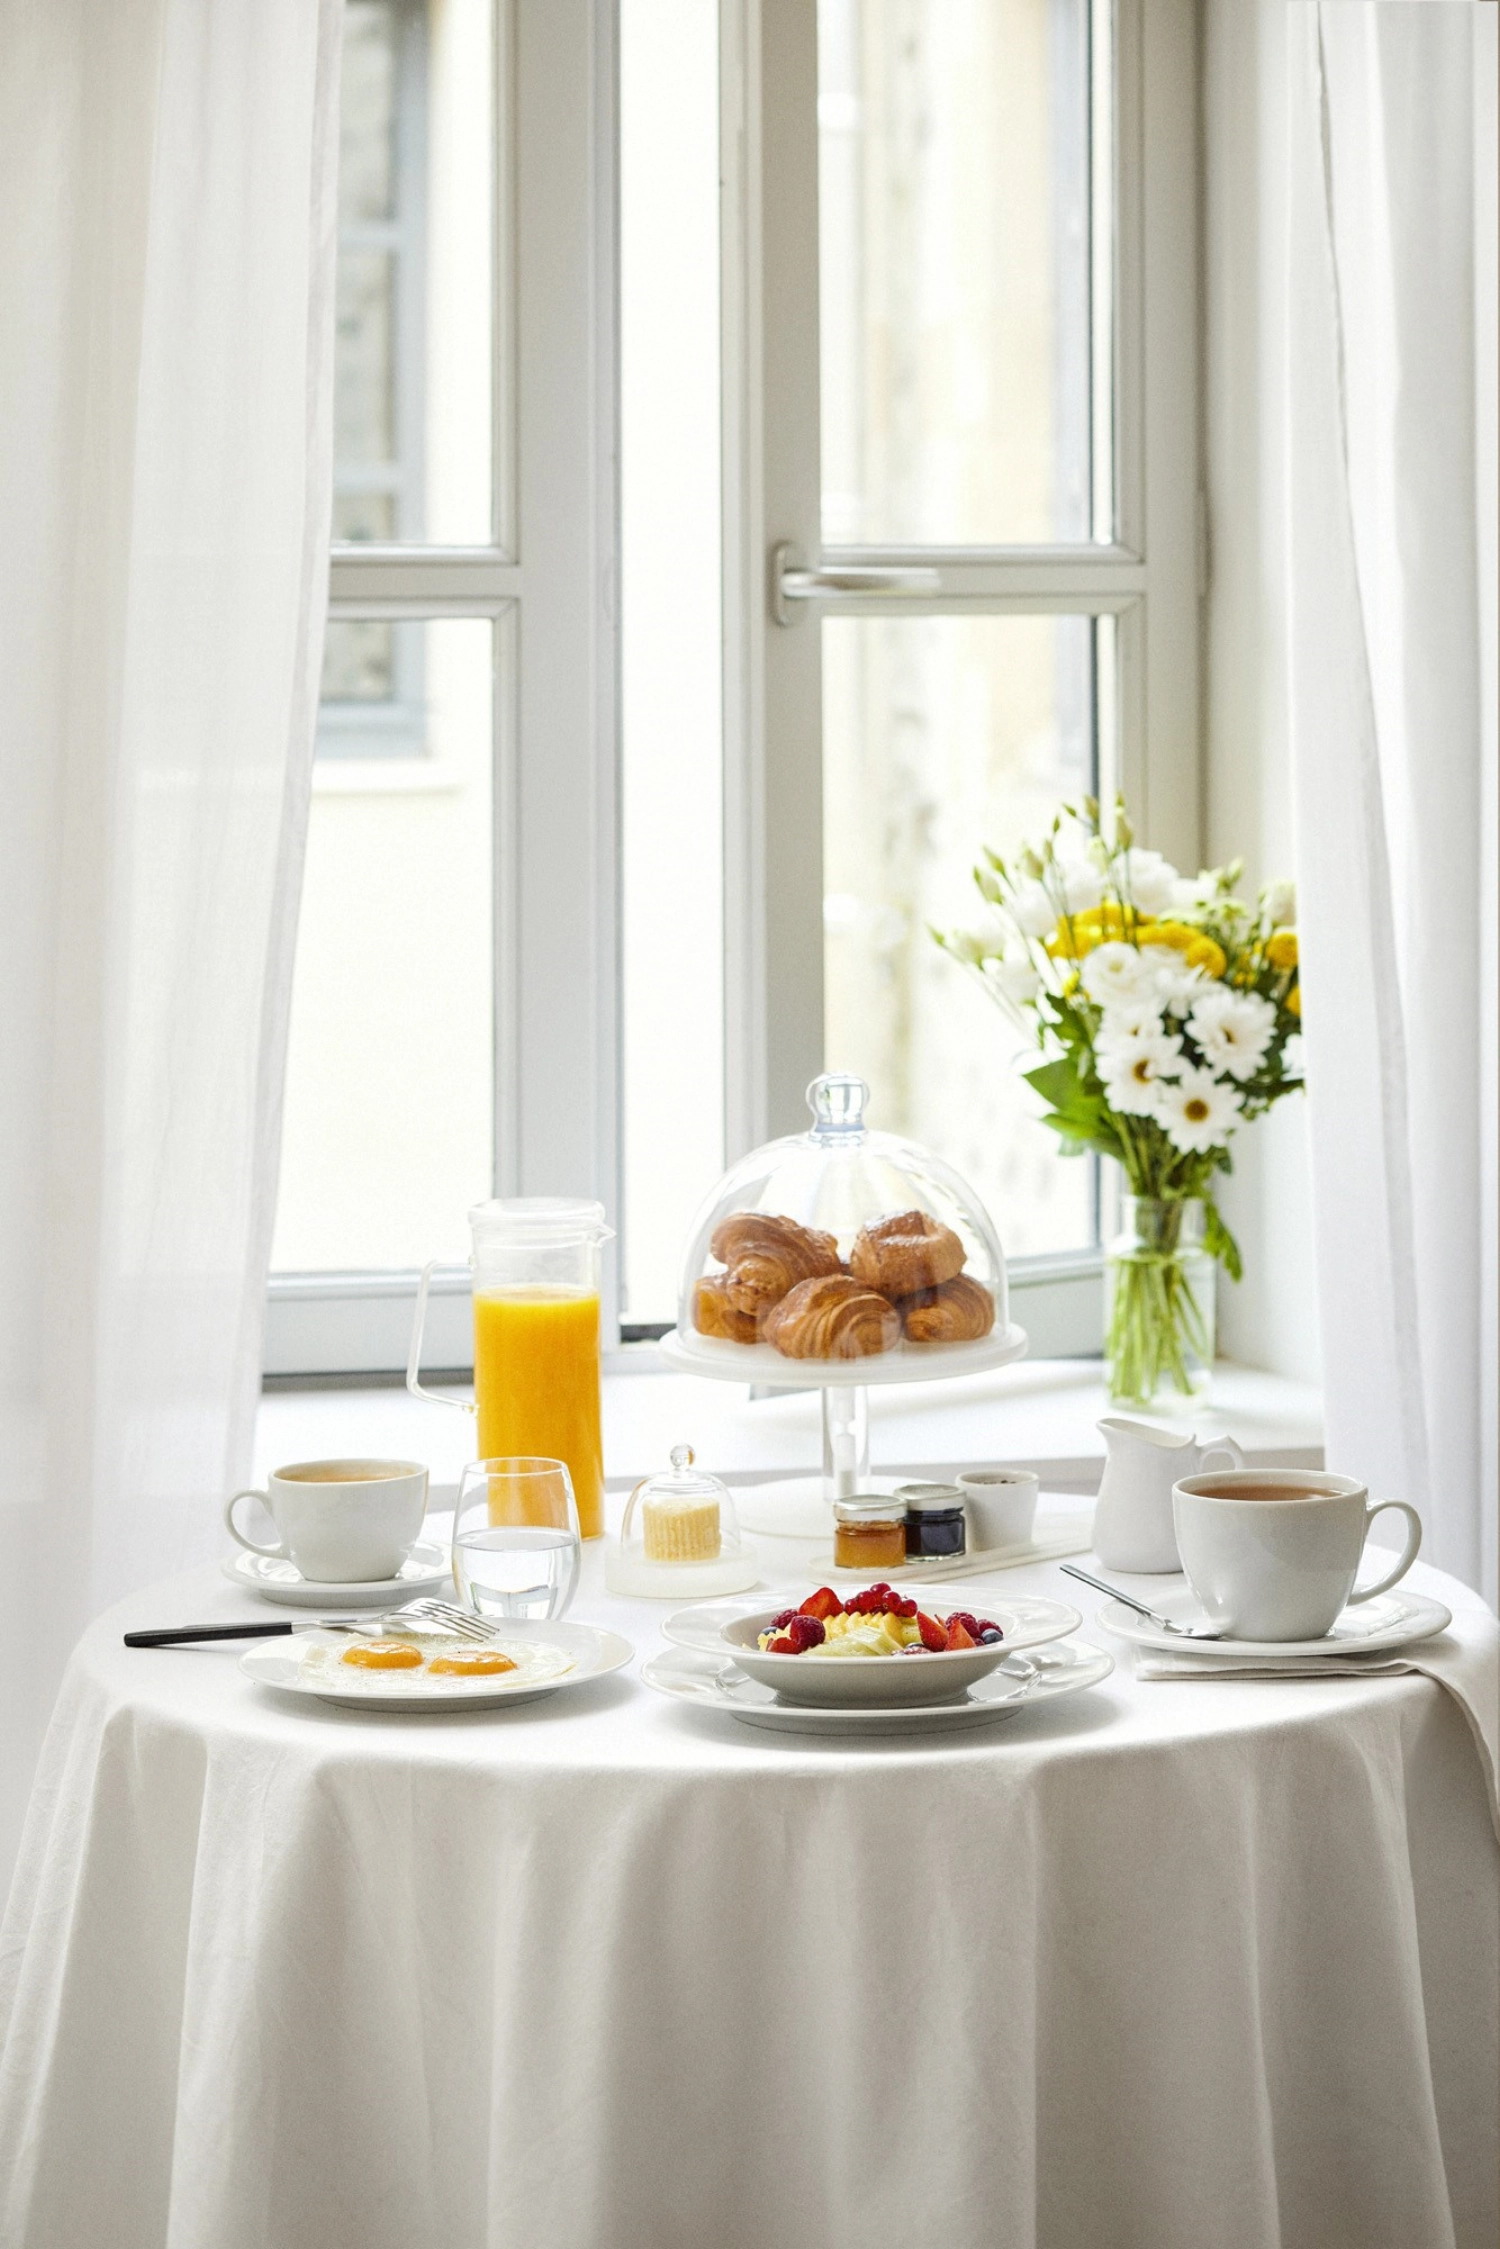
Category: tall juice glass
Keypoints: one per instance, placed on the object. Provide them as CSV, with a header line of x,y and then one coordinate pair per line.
x,y
536,1338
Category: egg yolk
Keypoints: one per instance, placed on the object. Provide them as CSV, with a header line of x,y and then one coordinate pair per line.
x,y
383,1655
473,1666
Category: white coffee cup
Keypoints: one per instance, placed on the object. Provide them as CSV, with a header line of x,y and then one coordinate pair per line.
x,y
1272,1552
1000,1504
342,1522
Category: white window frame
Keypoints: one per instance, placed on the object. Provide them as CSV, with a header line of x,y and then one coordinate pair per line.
x,y
549,580
548,583
1150,579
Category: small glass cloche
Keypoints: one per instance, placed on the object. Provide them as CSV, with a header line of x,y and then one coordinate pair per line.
x,y
680,1540
842,1255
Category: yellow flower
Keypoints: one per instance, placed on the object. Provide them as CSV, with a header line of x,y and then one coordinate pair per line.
x,y
1294,1001
1197,950
1204,953
1176,934
1281,948
1078,934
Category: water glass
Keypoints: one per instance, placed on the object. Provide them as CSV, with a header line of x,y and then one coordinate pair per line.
x,y
515,1538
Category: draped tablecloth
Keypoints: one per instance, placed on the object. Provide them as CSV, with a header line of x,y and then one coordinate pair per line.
x,y
1167,1966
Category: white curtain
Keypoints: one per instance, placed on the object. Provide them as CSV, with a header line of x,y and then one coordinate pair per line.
x,y
1393,770
167,232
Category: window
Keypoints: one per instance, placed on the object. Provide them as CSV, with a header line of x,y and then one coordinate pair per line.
x,y
750,498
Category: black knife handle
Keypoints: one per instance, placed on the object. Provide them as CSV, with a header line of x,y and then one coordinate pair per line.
x,y
172,1636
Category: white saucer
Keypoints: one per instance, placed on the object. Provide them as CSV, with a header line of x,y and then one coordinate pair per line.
x,y
425,1569
1391,1620
597,1652
1043,1675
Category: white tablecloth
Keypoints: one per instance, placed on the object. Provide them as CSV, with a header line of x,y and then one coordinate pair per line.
x,y
1169,1966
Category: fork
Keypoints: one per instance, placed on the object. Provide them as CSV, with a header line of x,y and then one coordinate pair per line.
x,y
1180,1631
460,1622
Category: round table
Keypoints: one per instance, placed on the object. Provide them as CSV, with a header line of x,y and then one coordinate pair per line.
x,y
1172,1965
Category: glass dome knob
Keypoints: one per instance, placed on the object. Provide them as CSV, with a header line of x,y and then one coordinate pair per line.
x,y
837,1102
682,1458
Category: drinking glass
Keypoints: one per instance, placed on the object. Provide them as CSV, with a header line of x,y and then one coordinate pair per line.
x,y
515,1538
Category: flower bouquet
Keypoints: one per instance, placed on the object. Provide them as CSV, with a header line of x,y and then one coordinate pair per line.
x,y
1167,1012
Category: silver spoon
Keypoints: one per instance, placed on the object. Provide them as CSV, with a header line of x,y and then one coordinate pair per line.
x,y
1180,1631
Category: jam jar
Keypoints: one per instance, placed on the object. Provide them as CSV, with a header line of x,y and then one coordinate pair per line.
x,y
869,1532
934,1521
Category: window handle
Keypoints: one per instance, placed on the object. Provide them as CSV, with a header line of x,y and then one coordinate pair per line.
x,y
793,583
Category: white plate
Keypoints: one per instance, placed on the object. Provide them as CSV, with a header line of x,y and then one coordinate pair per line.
x,y
728,1629
425,1569
1391,1620
597,1653
1021,1682
905,1362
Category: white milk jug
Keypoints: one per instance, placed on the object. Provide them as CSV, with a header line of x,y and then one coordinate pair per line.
x,y
1133,1527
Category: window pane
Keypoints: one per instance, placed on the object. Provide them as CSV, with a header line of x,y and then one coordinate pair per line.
x,y
413,375
388,1133
671,664
940,735
958,324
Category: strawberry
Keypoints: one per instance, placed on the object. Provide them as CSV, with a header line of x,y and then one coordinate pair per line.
x,y
782,1646
825,1602
958,1635
933,1635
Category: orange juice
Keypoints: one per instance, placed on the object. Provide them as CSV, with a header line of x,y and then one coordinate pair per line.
x,y
536,1384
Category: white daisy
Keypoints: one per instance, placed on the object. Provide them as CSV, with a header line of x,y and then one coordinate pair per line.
x,y
1193,890
1174,985
1233,1029
1129,1022
1113,971
1150,880
1196,1113
1032,910
1292,1063
1132,1073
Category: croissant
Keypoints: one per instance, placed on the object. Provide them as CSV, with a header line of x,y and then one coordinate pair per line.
x,y
957,1311
900,1255
765,1256
713,1314
832,1317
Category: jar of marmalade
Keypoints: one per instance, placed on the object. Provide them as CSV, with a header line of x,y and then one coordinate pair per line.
x,y
869,1532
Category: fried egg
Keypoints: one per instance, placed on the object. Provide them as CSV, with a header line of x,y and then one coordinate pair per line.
x,y
359,1668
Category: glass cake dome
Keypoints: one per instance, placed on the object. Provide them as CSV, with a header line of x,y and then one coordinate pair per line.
x,y
842,1256
680,1540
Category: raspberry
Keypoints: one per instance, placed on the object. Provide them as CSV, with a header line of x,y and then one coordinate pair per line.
x,y
805,1632
780,1623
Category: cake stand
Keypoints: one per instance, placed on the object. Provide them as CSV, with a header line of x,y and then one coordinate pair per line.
x,y
798,1506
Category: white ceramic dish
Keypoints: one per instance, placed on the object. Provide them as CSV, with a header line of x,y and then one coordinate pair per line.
x,y
908,1362
728,1630
595,1653
704,1682
425,1570
1391,1620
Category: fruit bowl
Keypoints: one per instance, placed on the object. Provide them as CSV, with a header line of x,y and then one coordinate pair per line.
x,y
730,1629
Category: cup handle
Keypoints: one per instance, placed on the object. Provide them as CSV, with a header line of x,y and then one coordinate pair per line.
x,y
1225,1445
1413,1542
277,1552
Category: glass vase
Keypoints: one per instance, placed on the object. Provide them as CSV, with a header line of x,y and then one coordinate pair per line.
x,y
1158,1303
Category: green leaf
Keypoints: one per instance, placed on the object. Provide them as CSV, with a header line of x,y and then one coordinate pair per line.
x,y
1219,1242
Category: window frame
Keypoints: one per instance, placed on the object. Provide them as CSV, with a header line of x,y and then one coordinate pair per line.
x,y
548,581
1151,577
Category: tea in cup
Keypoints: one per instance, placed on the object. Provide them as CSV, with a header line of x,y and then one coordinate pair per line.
x,y
1272,1552
342,1522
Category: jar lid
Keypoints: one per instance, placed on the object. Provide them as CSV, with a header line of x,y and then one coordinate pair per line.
x,y
929,1499
869,1507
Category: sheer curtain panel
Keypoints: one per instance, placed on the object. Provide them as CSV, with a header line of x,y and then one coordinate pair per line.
x,y
1392,755
167,181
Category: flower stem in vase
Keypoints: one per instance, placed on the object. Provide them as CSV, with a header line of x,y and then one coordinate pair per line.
x,y
1159,1337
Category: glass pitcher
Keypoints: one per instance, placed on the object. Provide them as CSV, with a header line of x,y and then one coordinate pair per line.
x,y
535,1263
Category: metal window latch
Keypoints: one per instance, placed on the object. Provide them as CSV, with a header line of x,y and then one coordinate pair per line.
x,y
793,584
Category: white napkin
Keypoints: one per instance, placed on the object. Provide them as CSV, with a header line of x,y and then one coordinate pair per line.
x,y
1465,1659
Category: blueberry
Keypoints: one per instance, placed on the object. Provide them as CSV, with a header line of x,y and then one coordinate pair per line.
x,y
991,1636
916,1649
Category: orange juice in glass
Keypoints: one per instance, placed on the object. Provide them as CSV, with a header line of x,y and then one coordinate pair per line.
x,y
536,1338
